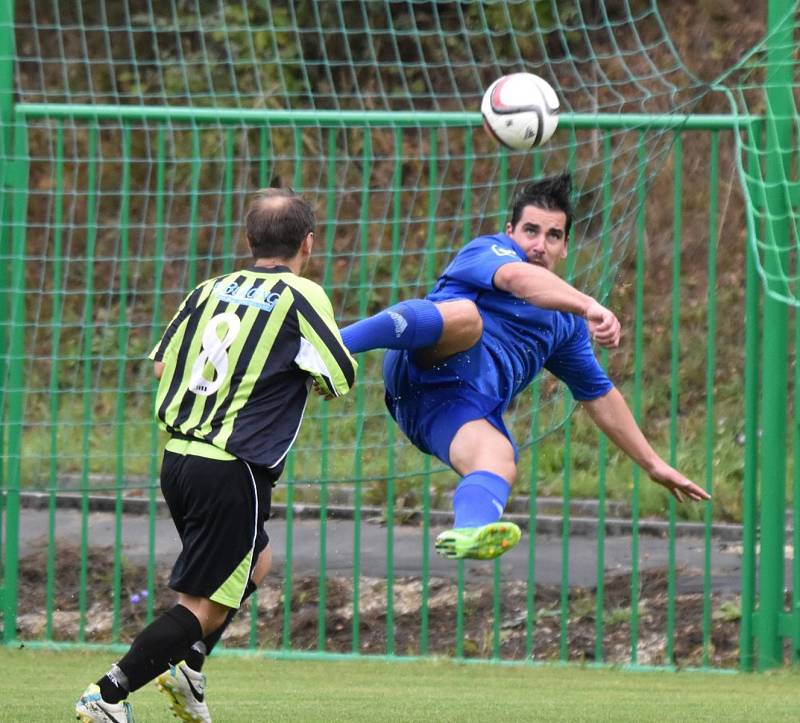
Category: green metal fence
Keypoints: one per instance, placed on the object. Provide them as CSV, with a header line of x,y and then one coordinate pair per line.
x,y
94,427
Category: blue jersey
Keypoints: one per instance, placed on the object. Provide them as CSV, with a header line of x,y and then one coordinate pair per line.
x,y
519,339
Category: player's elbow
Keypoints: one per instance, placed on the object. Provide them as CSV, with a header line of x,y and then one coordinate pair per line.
x,y
158,369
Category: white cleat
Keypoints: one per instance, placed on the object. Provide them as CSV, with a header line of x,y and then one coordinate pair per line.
x,y
186,690
91,707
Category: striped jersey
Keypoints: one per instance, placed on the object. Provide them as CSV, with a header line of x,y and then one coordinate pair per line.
x,y
239,358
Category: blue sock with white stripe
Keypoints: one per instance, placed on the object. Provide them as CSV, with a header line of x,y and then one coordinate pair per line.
x,y
480,498
412,324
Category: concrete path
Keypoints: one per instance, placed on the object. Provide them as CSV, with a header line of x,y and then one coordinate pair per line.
x,y
653,551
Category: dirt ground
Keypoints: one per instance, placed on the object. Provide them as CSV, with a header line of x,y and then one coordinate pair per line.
x,y
478,615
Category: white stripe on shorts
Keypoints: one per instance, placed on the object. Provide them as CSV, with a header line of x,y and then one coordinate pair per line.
x,y
255,525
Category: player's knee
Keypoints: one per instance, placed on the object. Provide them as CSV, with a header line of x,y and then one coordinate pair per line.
x,y
209,613
462,319
502,463
508,471
216,616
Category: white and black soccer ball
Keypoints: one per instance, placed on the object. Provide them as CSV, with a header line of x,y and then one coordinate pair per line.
x,y
520,110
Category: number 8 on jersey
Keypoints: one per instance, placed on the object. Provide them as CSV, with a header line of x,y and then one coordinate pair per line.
x,y
215,353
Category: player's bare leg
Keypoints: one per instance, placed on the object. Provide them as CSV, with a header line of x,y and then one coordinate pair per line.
x,y
462,327
432,331
184,684
480,445
485,459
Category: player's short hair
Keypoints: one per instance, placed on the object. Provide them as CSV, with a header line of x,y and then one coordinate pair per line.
x,y
551,193
277,221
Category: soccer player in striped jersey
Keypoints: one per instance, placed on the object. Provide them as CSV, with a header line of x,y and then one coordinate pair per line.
x,y
496,317
236,365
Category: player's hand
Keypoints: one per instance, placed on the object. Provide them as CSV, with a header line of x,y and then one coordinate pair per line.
x,y
603,325
680,487
320,391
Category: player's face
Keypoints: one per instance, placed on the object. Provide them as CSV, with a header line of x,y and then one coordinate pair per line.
x,y
540,234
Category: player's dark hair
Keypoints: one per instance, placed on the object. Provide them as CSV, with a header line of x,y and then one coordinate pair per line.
x,y
277,221
551,193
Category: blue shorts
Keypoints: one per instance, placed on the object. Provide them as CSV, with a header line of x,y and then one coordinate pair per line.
x,y
430,407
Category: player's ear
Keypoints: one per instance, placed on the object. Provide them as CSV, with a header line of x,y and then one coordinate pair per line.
x,y
509,228
308,244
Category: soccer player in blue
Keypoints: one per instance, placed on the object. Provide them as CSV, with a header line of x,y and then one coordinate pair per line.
x,y
497,316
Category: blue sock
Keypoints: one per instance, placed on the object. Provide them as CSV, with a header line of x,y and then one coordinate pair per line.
x,y
480,498
410,324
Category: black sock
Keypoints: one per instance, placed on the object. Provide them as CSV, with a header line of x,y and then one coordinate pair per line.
x,y
166,638
114,685
198,652
202,648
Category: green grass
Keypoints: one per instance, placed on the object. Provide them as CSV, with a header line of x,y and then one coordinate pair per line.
x,y
43,686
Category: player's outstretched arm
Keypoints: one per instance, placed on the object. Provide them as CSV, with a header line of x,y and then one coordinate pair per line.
x,y
612,415
544,289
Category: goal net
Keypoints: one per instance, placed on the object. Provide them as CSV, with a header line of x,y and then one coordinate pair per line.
x,y
763,92
142,129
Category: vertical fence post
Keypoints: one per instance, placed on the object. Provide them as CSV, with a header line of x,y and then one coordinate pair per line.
x,y
330,234
795,605
263,181
397,203
497,587
602,446
675,361
16,391
227,212
122,346
155,334
430,275
59,284
6,128
641,191
566,476
87,416
711,354
751,347
363,228
469,160
780,112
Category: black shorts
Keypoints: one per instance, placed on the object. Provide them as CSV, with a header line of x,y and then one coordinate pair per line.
x,y
219,508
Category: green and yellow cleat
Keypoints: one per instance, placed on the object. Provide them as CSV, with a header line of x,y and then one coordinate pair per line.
x,y
478,543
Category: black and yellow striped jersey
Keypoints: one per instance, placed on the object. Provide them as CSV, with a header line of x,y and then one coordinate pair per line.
x,y
239,358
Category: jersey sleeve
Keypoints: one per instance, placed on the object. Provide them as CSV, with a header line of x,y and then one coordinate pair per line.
x,y
477,263
322,353
575,364
188,305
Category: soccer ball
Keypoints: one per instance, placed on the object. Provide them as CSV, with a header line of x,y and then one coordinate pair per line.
x,y
520,110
